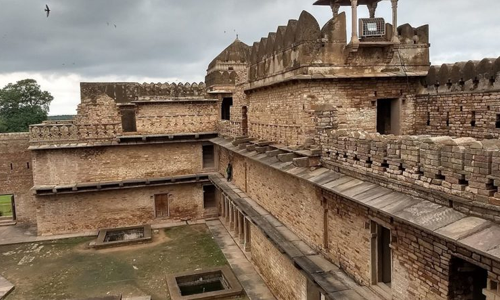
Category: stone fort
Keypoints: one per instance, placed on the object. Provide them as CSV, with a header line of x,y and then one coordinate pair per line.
x,y
315,149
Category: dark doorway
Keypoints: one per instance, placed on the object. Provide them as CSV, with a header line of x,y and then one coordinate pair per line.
x,y
128,120
226,108
244,120
381,255
388,116
209,196
467,281
162,209
208,157
384,254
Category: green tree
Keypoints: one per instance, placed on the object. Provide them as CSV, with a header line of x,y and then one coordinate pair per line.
x,y
22,104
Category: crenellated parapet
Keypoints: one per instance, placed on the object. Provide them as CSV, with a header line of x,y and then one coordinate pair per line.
x,y
463,167
472,75
304,50
127,92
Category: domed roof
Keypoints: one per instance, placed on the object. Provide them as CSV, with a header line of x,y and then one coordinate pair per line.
x,y
237,52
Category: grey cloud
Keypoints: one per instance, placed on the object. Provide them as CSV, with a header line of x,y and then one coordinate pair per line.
x,y
178,38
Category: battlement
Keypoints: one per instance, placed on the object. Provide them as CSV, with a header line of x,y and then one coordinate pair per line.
x,y
303,50
126,92
463,167
464,76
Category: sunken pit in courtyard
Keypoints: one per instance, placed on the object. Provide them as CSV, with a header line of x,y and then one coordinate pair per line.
x,y
213,283
122,236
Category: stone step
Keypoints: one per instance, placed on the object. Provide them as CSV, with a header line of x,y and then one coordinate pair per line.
x,y
382,290
8,222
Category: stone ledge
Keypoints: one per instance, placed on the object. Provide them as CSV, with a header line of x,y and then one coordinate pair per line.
x,y
326,275
440,221
116,185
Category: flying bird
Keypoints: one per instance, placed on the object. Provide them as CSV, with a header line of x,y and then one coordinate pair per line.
x,y
47,10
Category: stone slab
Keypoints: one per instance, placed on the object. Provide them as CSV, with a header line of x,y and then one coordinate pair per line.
x,y
463,228
484,240
5,287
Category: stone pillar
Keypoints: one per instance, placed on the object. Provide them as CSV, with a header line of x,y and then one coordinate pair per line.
x,y
228,211
395,38
231,216
354,38
247,234
335,8
372,8
241,222
222,205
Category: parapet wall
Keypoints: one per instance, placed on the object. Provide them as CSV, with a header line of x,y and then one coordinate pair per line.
x,y
127,92
460,100
307,49
464,76
463,167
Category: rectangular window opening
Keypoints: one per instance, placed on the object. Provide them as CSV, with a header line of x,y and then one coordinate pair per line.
x,y
388,116
428,119
473,119
128,120
497,122
227,103
467,281
208,157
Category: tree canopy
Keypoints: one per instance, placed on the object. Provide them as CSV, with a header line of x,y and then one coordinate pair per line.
x,y
22,104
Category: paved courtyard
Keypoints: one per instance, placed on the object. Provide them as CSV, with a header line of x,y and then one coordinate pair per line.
x,y
66,269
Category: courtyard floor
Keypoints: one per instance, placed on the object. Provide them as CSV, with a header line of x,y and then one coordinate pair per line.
x,y
66,269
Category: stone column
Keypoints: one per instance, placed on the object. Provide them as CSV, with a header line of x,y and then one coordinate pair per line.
x,y
231,216
241,222
355,39
247,233
395,38
372,8
222,206
335,8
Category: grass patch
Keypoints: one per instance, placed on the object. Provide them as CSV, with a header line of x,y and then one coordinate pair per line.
x,y
67,269
5,206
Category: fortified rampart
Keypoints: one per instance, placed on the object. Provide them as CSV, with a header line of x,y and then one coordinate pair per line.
x,y
461,100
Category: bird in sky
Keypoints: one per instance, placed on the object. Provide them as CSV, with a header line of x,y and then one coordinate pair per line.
x,y
47,10
115,25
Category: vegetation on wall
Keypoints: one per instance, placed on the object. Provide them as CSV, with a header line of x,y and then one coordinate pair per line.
x,y
22,104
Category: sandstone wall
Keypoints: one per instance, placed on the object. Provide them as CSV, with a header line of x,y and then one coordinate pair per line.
x,y
177,117
92,211
295,203
286,114
281,276
70,166
126,92
459,114
16,177
421,262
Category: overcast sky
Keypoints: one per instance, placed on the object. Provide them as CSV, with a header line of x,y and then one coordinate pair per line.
x,y
175,40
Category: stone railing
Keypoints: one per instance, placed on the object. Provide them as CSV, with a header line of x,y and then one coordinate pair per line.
x,y
462,167
68,132
229,128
